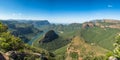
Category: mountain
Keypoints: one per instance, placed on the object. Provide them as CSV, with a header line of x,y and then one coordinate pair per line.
x,y
25,29
52,41
49,36
13,48
101,32
34,22
78,49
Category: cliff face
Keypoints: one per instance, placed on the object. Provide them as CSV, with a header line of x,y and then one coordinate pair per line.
x,y
105,23
111,21
88,25
49,36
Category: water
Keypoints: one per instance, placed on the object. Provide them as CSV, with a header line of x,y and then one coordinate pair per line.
x,y
35,38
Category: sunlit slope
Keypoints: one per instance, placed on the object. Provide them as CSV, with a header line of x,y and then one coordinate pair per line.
x,y
79,49
101,36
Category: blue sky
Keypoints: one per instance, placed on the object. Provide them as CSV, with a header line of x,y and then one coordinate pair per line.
x,y
60,11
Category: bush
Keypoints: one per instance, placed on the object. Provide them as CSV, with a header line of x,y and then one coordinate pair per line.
x,y
74,55
7,41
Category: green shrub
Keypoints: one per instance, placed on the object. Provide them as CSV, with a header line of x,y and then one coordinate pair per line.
x,y
74,55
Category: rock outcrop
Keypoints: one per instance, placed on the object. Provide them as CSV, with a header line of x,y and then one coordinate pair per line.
x,y
88,25
105,23
2,57
112,58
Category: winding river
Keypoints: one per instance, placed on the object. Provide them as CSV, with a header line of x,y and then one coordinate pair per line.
x,y
35,38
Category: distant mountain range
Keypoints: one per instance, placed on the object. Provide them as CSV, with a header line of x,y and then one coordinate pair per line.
x,y
34,22
25,29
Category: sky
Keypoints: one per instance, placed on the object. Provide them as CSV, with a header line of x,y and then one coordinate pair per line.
x,y
60,11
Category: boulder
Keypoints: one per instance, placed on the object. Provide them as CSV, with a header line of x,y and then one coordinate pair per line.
x,y
88,25
112,58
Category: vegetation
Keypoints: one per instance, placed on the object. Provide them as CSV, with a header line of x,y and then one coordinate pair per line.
x,y
9,42
74,55
116,51
19,50
73,42
100,36
22,29
79,49
53,45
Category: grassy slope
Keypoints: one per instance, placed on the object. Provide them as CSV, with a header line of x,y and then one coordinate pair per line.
x,y
60,53
103,37
82,47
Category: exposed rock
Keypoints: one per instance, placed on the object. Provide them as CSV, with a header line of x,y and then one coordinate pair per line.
x,y
105,23
49,36
15,55
88,25
112,58
111,21
2,57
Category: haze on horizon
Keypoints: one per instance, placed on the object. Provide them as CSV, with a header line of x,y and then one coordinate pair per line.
x,y
60,11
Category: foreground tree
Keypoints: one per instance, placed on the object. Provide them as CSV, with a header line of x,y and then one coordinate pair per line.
x,y
7,41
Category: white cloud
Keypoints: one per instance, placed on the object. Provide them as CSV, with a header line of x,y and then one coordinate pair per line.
x,y
17,14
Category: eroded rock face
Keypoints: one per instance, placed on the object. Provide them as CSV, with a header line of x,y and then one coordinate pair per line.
x,y
88,25
49,36
14,55
2,57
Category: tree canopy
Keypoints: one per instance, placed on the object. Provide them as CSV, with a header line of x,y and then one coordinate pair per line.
x,y
7,41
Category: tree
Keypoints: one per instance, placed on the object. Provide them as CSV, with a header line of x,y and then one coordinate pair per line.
x,y
7,41
3,28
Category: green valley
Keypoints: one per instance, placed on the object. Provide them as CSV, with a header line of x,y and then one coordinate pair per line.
x,y
77,41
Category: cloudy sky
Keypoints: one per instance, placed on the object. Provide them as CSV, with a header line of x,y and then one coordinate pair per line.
x,y
60,11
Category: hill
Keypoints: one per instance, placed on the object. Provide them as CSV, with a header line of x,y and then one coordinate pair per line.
x,y
65,33
49,36
78,49
101,33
